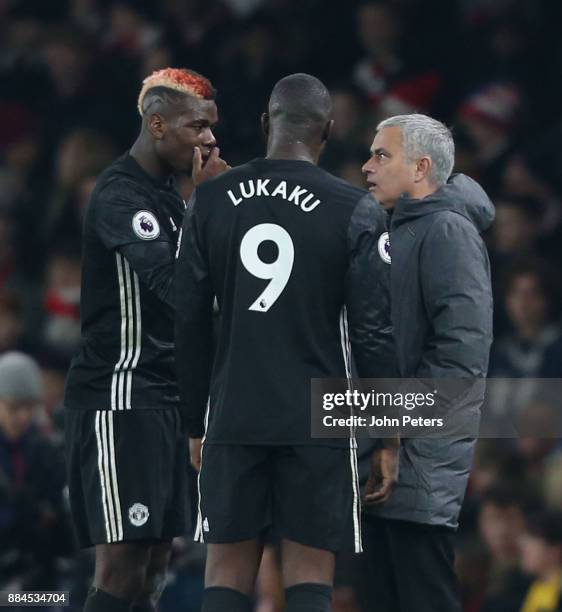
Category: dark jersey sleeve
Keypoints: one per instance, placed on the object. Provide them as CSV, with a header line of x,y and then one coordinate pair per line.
x,y
368,293
125,220
194,326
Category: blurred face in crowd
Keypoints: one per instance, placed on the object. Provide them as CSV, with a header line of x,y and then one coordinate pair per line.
x,y
500,526
187,125
53,388
539,557
66,63
514,230
15,418
64,274
6,238
81,154
526,303
378,28
351,172
125,23
11,324
520,180
389,173
536,422
346,110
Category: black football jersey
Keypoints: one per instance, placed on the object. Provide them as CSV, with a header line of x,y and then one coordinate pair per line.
x,y
298,263
130,239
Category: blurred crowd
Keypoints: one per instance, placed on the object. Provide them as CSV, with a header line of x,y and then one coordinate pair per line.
x,y
70,72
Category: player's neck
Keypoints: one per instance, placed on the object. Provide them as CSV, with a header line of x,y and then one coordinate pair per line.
x,y
144,154
295,150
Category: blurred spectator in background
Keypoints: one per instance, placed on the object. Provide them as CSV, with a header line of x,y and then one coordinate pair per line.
x,y
68,97
53,214
533,171
379,33
34,527
252,65
410,95
516,229
489,116
533,347
81,155
353,126
501,523
11,322
61,330
514,237
541,556
494,462
8,262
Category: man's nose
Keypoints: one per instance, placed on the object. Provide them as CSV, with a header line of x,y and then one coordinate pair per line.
x,y
208,138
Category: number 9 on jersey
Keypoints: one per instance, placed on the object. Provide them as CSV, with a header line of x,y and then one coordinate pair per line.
x,y
278,271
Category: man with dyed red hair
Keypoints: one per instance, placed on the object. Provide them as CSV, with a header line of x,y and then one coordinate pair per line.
x,y
126,453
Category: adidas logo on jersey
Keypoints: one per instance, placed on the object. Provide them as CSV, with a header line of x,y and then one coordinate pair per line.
x,y
206,524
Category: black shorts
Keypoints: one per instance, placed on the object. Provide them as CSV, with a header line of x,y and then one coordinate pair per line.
x,y
309,494
127,475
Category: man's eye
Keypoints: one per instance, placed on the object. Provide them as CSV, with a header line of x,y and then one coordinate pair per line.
x,y
382,155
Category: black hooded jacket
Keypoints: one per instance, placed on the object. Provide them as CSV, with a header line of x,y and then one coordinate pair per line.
x,y
441,293
442,316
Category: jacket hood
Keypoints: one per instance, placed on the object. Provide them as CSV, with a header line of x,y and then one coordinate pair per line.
x,y
460,194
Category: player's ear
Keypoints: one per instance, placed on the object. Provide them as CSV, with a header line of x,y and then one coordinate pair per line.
x,y
327,130
265,123
423,169
156,126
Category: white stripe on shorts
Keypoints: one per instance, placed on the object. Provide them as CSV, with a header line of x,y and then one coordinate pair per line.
x,y
198,537
101,470
111,503
346,349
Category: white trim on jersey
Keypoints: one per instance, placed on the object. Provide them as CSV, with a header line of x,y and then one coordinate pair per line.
x,y
198,537
131,325
346,349
119,364
108,476
137,341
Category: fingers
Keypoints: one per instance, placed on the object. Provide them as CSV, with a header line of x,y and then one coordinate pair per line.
x,y
380,495
215,151
196,463
197,161
213,166
196,459
195,450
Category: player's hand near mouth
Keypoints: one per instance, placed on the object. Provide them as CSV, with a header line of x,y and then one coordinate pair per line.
x,y
207,166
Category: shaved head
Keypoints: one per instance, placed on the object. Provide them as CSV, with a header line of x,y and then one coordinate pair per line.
x,y
300,102
163,101
170,85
